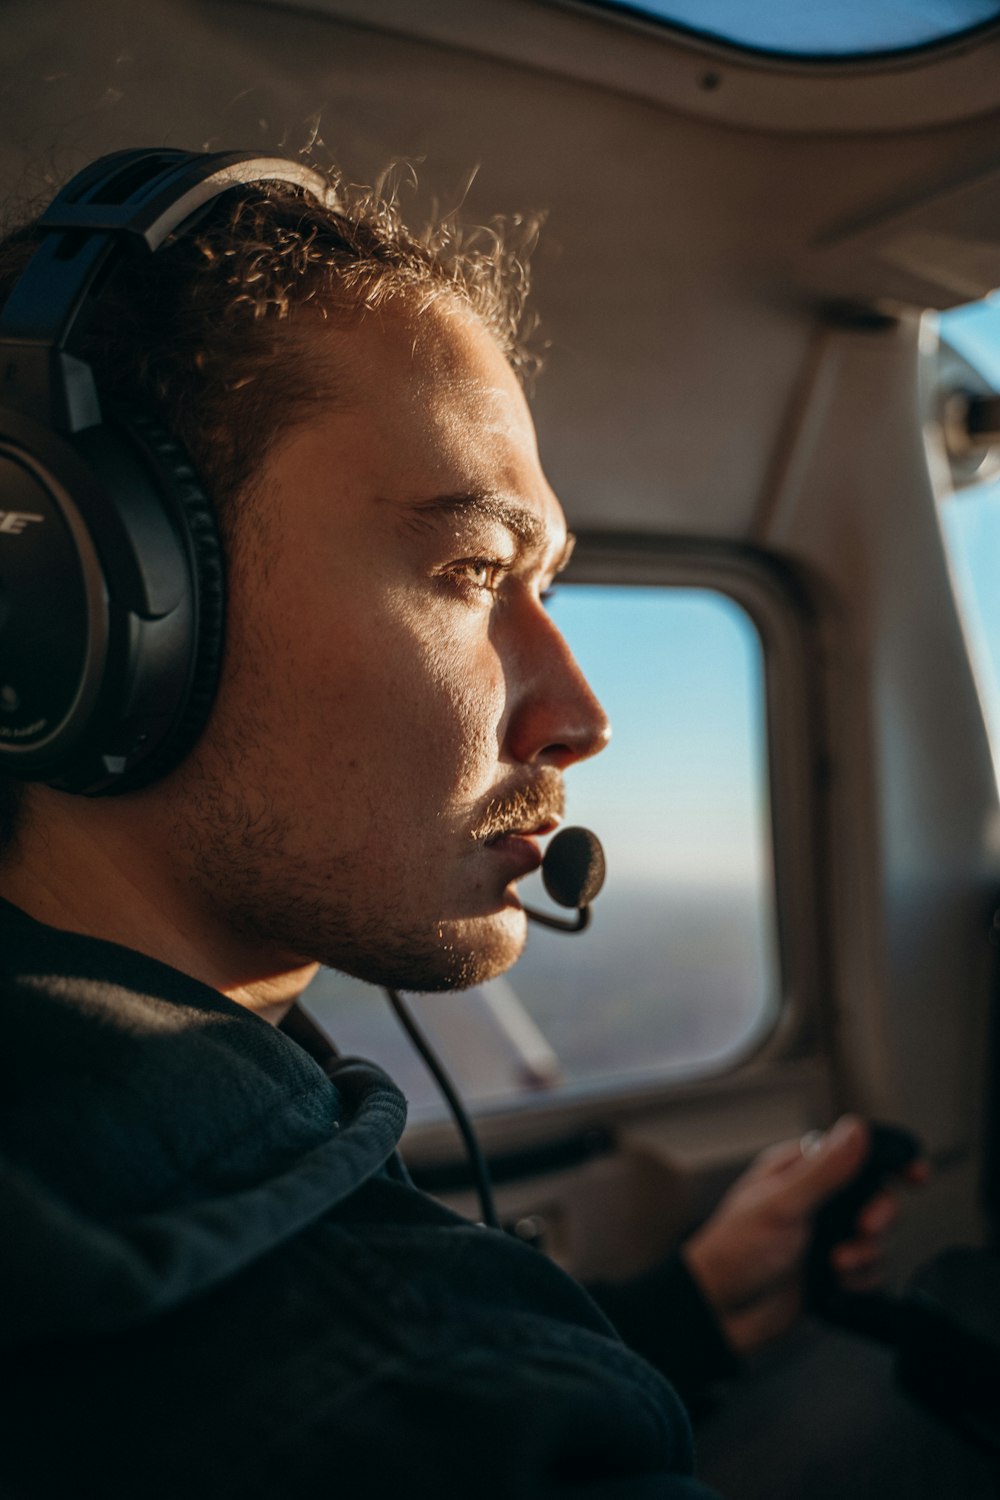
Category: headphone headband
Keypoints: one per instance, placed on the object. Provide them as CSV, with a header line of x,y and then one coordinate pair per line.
x,y
151,193
127,201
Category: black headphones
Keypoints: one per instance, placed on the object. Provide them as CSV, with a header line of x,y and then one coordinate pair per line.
x,y
112,590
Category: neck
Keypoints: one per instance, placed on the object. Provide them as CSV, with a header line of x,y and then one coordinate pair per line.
x,y
82,867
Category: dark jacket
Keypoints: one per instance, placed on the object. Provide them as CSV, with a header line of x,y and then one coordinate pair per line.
x,y
216,1283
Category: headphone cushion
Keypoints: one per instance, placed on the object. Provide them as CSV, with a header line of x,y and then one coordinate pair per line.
x,y
194,514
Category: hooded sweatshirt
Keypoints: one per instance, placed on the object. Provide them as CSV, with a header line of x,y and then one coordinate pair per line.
x,y
216,1280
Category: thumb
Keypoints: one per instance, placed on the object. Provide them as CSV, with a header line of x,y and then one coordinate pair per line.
x,y
835,1159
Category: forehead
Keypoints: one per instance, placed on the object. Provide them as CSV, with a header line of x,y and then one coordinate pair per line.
x,y
441,407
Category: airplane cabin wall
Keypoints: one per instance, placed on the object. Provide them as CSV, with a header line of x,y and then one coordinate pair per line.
x,y
913,793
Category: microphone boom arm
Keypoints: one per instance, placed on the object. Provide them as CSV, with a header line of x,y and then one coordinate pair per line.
x,y
560,924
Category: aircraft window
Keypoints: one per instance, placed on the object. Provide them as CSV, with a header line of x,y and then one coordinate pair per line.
x,y
678,976
839,28
970,513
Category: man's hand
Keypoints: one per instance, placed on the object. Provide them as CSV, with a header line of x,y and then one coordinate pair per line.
x,y
749,1256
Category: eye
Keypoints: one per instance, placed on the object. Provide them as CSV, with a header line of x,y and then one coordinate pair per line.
x,y
481,575
485,572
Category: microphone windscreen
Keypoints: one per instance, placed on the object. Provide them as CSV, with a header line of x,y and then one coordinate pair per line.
x,y
573,867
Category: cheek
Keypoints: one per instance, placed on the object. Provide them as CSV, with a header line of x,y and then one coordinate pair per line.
x,y
476,714
455,706
415,704
378,688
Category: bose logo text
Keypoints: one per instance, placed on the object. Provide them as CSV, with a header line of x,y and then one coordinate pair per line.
x,y
14,521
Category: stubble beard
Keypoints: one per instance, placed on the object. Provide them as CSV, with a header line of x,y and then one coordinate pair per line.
x,y
238,853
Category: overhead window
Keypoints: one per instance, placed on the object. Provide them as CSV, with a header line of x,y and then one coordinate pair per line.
x,y
678,976
835,29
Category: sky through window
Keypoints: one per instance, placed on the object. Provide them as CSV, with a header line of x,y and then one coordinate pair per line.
x,y
837,28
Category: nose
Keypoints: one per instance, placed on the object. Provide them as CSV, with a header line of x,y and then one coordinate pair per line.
x,y
554,717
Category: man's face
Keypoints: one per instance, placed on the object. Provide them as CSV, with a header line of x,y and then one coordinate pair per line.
x,y
396,706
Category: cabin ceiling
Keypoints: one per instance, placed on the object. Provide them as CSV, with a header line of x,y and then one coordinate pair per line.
x,y
694,237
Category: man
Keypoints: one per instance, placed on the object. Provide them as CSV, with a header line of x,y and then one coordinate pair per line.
x,y
221,1281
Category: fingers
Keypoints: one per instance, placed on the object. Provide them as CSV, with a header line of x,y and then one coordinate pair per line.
x,y
856,1255
774,1161
857,1262
826,1166
749,1256
878,1215
858,1265
880,1212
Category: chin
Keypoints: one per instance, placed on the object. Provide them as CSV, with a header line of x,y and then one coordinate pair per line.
x,y
458,954
474,950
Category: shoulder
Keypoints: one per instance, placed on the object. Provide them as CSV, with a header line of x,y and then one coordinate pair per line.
x,y
386,1342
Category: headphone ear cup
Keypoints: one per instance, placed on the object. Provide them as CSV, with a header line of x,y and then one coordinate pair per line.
x,y
112,585
194,517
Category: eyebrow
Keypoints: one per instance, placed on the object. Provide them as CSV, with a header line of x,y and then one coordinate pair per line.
x,y
519,521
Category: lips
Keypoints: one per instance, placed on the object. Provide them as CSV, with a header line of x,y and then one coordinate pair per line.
x,y
520,853
518,831
519,846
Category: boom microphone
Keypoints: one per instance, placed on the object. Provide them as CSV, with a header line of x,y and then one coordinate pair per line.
x,y
572,872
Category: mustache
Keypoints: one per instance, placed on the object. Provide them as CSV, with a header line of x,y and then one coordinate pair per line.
x,y
541,800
